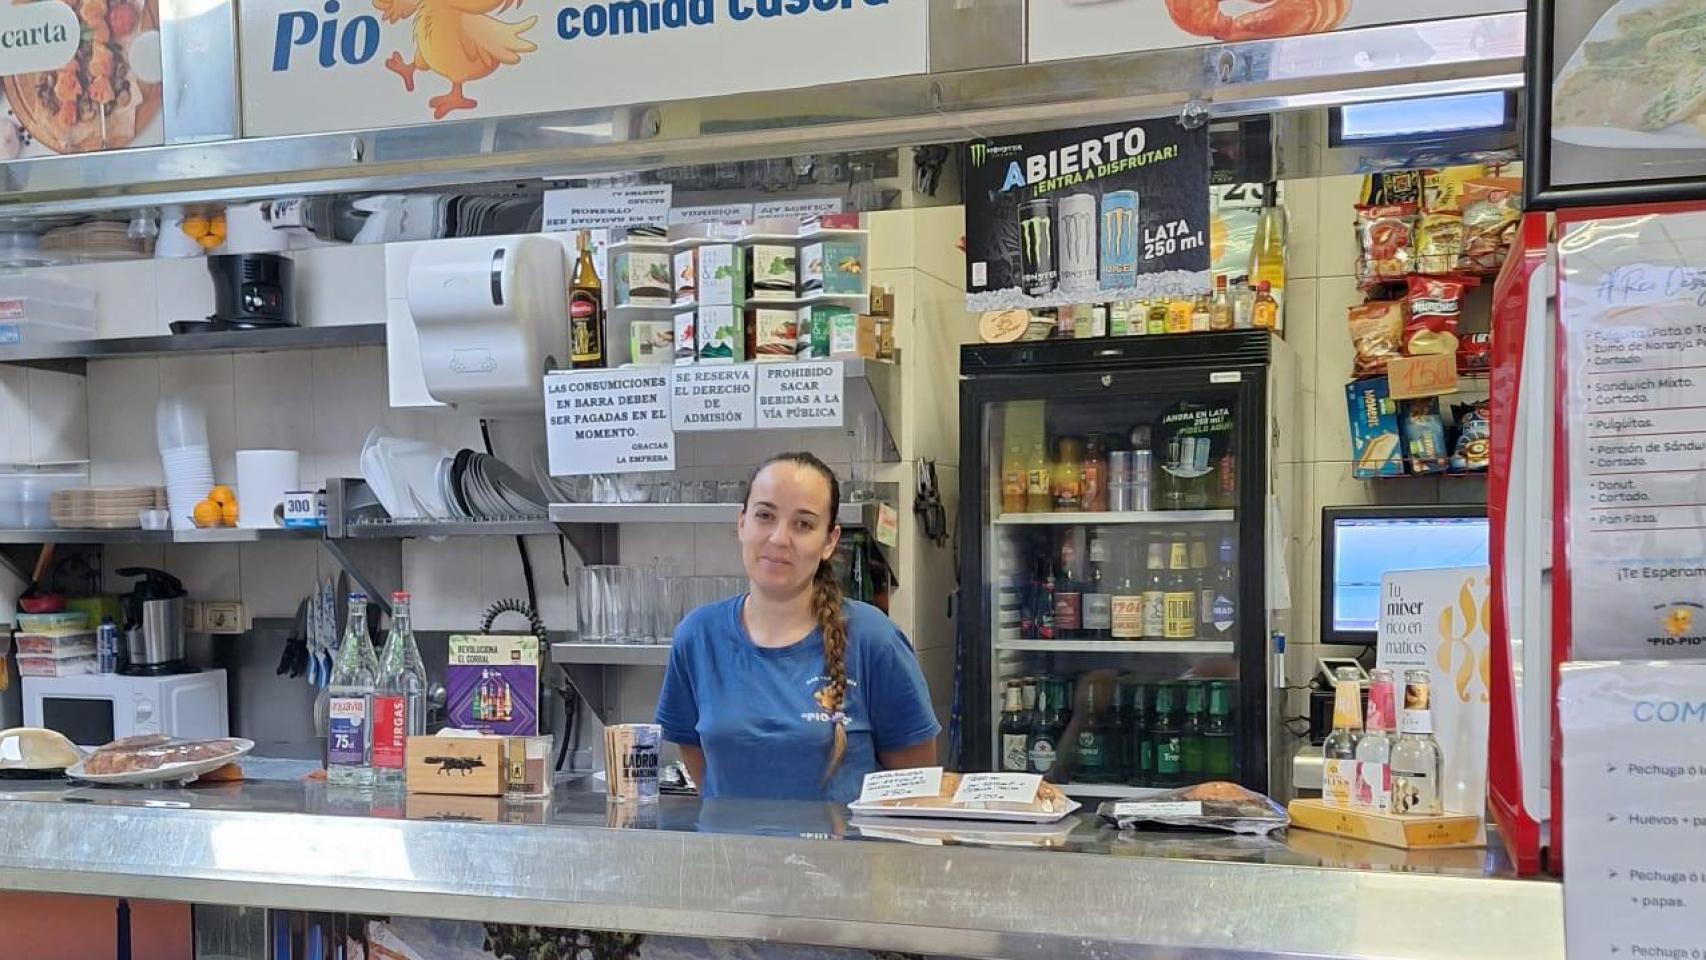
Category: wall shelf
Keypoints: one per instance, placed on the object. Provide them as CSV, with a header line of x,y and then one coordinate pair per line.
x,y
426,529
1118,646
611,654
851,514
215,535
234,341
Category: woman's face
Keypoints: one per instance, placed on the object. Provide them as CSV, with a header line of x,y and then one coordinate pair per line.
x,y
787,528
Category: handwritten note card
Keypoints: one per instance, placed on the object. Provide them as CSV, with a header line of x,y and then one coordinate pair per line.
x,y
901,784
998,788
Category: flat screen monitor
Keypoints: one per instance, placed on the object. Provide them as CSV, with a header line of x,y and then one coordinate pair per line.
x,y
1360,544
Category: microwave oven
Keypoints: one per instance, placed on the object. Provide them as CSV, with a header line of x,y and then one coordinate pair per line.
x,y
96,709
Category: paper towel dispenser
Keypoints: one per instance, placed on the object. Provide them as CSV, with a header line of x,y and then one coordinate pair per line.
x,y
491,317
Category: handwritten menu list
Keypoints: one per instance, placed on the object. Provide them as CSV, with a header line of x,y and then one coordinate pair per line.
x,y
1633,313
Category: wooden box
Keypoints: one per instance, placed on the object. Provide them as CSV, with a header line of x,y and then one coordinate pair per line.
x,y
459,766
425,806
1451,830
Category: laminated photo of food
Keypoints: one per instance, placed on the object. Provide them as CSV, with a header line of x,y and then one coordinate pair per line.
x,y
105,97
1276,18
1637,80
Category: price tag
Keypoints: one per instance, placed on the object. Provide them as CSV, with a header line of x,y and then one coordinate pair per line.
x,y
810,207
720,213
797,395
1139,809
888,525
609,421
901,784
998,788
714,397
1425,376
603,208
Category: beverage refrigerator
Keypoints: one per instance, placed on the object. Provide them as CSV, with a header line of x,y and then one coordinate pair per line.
x,y
1117,518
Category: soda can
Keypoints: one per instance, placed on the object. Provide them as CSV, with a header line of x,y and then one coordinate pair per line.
x,y
1142,480
106,647
1119,239
1120,466
1078,243
1037,274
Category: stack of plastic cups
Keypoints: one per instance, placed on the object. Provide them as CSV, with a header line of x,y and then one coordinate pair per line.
x,y
181,430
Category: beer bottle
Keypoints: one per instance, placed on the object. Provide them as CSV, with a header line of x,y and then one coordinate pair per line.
x,y
1137,732
1165,737
1179,599
1191,743
1038,499
1093,759
1155,594
1128,604
1097,615
1218,761
1015,746
1045,733
1204,582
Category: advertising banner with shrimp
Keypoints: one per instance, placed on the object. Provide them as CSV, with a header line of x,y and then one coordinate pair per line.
x,y
1628,92
79,76
1064,29
312,66
1092,215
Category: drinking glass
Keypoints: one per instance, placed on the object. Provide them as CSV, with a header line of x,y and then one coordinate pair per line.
x,y
666,491
730,491
594,601
865,450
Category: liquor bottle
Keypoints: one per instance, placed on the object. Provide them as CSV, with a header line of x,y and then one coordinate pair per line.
x,y
399,694
1098,614
1155,594
1095,473
349,740
586,310
1013,479
1264,313
1340,749
1224,613
1243,299
1067,486
1267,250
1127,604
1417,766
1179,598
1220,309
1165,737
1091,743
1037,477
1015,738
1179,315
1374,750
1204,582
1156,322
1044,589
1068,592
1045,733
1202,312
1142,747
1192,746
1218,762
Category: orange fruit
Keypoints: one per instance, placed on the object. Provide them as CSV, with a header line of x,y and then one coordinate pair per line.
x,y
222,495
228,513
206,514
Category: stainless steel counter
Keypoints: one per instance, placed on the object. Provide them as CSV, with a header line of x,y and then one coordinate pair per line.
x,y
774,871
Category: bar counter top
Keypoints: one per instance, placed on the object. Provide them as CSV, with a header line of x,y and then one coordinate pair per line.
x,y
747,870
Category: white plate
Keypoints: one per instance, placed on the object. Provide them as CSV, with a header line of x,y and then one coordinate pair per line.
x,y
939,813
935,832
168,773
1684,134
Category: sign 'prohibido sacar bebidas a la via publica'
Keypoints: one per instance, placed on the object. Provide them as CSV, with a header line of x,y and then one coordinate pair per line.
x,y
312,66
1091,215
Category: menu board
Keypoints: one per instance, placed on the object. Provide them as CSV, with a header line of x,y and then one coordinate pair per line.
x,y
1616,84
1634,769
79,77
1631,292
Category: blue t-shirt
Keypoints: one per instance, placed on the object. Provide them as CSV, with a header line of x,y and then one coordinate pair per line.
x,y
754,710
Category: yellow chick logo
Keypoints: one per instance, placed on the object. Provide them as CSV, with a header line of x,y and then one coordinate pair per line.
x,y
460,41
824,700
1678,621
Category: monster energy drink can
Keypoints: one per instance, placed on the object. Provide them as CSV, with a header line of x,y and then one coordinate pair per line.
x,y
1119,239
1037,275
1078,242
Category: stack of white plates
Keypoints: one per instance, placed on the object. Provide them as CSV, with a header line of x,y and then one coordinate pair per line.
x,y
104,508
189,477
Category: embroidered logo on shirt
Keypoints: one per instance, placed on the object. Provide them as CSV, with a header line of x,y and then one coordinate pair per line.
x,y
821,698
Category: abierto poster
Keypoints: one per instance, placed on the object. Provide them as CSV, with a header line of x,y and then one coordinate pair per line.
x,y
1090,215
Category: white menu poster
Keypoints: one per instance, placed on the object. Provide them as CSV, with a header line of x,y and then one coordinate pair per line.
x,y
1634,810
1631,297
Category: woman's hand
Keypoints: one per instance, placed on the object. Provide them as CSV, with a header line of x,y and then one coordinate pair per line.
x,y
917,755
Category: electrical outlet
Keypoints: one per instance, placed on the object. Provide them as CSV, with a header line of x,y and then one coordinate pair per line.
x,y
193,617
223,617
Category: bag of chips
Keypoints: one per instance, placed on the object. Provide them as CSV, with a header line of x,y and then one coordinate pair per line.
x,y
1443,189
1475,353
1492,211
1474,447
1433,306
1377,330
1387,237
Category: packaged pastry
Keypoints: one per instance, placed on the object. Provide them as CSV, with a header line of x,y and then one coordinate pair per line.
x,y
1217,805
931,792
1386,236
1474,447
1492,210
1375,443
1439,242
150,752
1432,308
1425,450
1377,331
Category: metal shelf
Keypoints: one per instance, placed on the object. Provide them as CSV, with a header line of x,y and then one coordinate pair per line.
x,y
1148,516
815,236
816,298
1118,646
611,654
285,338
850,515
134,535
421,529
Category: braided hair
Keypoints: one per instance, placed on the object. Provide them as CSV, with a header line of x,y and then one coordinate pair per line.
x,y
827,609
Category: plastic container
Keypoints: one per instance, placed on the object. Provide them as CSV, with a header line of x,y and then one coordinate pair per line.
x,y
38,310
26,497
179,424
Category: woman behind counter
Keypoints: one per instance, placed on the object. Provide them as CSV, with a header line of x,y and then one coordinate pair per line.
x,y
791,691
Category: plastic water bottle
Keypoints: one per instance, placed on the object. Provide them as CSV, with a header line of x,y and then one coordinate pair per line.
x,y
399,697
349,727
